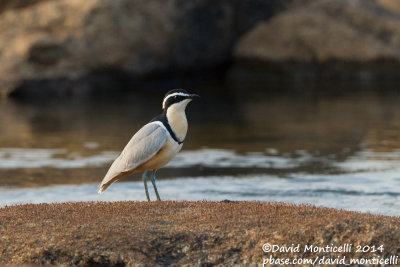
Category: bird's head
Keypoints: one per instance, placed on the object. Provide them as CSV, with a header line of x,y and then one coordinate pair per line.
x,y
177,99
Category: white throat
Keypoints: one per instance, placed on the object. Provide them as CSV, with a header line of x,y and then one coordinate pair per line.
x,y
176,117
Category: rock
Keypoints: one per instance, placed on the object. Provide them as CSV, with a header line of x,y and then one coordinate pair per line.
x,y
68,39
325,31
393,6
15,4
169,233
319,47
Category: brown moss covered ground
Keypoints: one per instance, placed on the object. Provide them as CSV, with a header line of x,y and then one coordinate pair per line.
x,y
182,233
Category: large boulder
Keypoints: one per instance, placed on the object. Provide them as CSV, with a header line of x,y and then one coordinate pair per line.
x,y
319,47
325,31
67,39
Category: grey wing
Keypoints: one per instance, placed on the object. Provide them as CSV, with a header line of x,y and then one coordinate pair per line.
x,y
147,142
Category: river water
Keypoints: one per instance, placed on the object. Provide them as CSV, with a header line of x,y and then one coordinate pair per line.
x,y
340,151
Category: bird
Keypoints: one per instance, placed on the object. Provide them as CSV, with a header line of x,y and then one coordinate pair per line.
x,y
155,144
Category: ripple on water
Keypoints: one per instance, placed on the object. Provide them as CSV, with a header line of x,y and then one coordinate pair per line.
x,y
11,158
24,158
369,181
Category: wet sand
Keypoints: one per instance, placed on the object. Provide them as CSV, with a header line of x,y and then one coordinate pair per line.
x,y
184,233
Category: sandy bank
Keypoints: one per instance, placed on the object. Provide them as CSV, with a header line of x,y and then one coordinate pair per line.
x,y
185,233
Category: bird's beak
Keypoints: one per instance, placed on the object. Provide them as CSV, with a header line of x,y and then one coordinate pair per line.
x,y
193,96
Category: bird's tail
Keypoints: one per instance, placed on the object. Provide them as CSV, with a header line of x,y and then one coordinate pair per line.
x,y
108,181
102,188
105,184
113,175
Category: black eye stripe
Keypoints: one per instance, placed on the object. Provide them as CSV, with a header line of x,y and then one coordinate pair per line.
x,y
174,99
179,98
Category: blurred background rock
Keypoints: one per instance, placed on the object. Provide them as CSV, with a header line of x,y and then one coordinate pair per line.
x,y
53,44
69,48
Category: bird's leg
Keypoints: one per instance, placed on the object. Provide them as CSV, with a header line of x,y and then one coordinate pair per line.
x,y
144,177
153,181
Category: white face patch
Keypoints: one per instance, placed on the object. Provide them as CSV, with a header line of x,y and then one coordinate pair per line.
x,y
172,95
